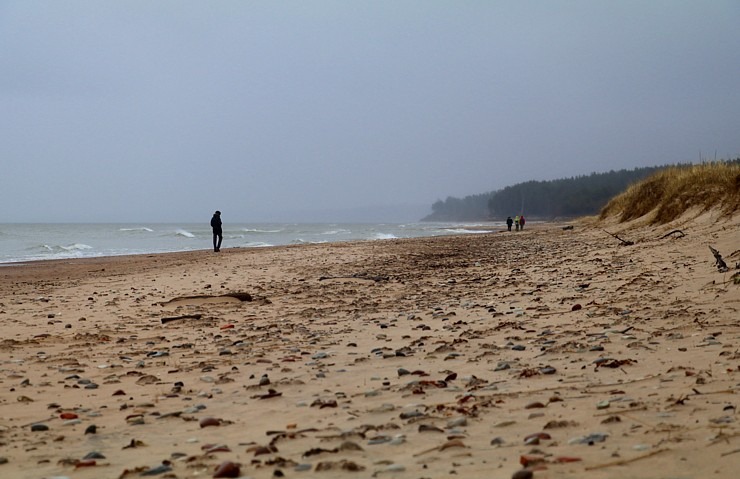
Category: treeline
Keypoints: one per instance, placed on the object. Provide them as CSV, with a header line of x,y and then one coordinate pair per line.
x,y
568,197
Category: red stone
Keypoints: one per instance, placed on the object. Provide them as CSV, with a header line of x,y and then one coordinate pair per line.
x,y
567,459
210,421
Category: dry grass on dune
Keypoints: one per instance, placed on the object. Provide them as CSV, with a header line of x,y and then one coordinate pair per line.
x,y
671,192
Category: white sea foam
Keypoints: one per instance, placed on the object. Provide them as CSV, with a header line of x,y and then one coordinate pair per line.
x,y
142,228
384,236
465,231
253,230
76,247
182,232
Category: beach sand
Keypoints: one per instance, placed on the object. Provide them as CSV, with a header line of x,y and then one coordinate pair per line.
x,y
467,356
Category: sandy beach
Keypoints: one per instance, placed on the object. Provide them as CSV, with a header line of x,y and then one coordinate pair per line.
x,y
546,353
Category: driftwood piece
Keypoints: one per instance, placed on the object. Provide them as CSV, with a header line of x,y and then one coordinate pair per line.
x,y
681,234
718,261
622,462
357,276
624,242
177,318
241,296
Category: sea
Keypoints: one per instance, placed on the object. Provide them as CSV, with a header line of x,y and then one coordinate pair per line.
x,y
21,243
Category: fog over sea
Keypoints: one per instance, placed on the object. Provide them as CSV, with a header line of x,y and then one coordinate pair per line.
x,y
34,242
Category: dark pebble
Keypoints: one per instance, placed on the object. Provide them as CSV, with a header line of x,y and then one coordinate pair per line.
x,y
227,469
155,471
518,347
522,474
91,429
39,427
210,421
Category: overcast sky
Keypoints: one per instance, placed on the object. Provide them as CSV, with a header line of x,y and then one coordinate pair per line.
x,y
163,111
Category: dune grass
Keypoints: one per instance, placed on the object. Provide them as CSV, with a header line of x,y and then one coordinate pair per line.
x,y
673,191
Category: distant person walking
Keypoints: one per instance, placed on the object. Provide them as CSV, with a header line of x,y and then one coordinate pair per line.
x,y
516,222
509,222
218,233
521,222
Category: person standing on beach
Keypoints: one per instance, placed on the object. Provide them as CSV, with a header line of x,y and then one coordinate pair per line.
x,y
218,233
516,222
521,222
509,222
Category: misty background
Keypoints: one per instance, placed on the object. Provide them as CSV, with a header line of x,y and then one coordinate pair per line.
x,y
164,111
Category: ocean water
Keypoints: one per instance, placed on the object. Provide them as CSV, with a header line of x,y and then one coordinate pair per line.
x,y
35,242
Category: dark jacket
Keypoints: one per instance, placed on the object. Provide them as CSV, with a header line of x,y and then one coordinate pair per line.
x,y
216,223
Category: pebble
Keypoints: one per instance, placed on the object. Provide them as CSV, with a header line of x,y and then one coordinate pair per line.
x,y
155,471
39,427
522,474
459,422
591,439
411,414
209,421
227,469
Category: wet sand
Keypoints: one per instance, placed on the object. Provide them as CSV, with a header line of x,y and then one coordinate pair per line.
x,y
470,356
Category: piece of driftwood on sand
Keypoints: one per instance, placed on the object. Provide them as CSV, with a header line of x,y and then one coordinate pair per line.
x,y
623,242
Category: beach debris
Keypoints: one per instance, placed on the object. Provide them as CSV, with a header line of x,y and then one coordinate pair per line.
x,y
342,465
718,261
590,439
622,462
622,242
523,473
678,233
361,275
209,421
452,443
227,469
178,318
166,466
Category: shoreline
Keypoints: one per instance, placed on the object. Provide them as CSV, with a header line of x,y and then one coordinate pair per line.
x,y
402,358
42,242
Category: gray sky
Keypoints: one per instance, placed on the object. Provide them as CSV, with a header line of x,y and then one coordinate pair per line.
x,y
148,111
